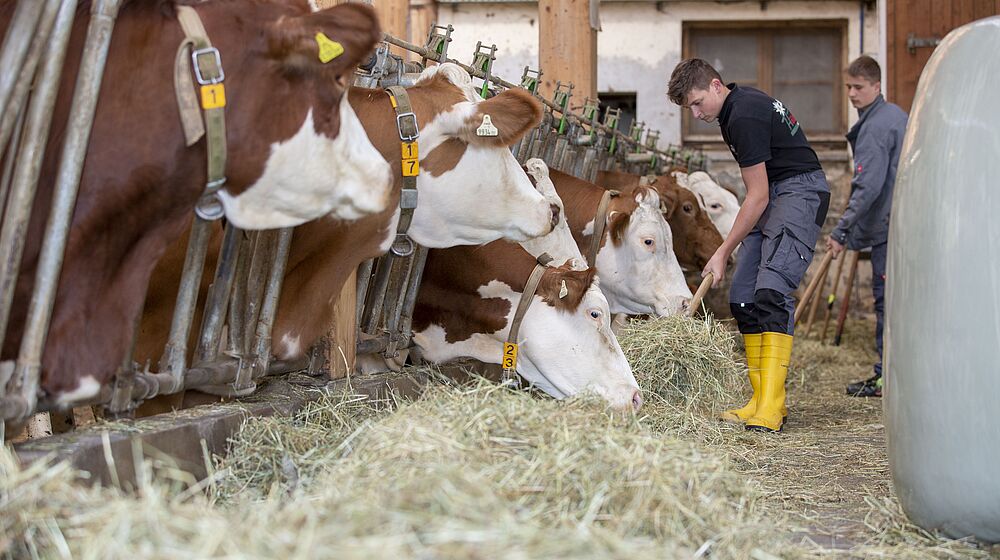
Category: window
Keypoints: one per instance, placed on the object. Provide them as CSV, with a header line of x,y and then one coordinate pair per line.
x,y
799,63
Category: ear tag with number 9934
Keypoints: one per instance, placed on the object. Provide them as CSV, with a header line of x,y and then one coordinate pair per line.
x,y
487,128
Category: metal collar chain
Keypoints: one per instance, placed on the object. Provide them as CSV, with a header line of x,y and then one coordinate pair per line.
x,y
600,224
409,132
206,62
509,358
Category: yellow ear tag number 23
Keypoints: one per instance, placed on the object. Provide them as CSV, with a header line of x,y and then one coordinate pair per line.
x,y
509,360
410,163
213,96
328,48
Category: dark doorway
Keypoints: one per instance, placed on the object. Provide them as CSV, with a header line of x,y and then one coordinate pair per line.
x,y
619,100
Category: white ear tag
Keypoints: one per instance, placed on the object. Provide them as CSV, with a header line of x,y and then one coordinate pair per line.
x,y
487,128
563,290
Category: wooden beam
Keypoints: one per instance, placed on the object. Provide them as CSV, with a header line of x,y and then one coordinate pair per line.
x,y
567,47
423,14
342,338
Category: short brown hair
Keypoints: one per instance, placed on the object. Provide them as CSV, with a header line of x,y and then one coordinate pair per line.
x,y
865,67
690,74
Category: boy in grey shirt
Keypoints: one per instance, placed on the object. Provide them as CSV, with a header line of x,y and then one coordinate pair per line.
x,y
876,140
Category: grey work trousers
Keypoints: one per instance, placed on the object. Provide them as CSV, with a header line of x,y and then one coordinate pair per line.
x,y
776,253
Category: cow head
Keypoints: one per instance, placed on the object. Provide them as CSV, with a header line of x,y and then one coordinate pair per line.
x,y
559,243
468,299
319,160
639,271
472,190
695,236
720,204
567,345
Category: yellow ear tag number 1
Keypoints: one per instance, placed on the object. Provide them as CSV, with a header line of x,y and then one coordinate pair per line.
x,y
328,48
509,361
410,163
213,96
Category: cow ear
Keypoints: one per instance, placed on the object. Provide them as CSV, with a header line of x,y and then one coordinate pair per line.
x,y
571,285
668,203
333,40
503,120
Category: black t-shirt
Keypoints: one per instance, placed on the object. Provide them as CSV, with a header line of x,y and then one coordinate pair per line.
x,y
758,128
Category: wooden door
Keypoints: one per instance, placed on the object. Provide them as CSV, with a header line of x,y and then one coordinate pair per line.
x,y
911,21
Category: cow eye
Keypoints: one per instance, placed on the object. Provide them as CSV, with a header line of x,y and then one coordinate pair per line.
x,y
688,208
595,314
716,206
648,242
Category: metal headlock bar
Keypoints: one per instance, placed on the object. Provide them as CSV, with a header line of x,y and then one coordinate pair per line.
x,y
233,344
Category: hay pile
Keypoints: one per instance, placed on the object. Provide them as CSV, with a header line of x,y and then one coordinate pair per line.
x,y
481,471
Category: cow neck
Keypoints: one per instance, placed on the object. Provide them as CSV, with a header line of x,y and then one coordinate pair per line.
x,y
600,223
528,294
409,132
197,53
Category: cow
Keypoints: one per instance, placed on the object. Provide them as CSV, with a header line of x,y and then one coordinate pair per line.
x,y
471,190
635,261
695,237
468,298
720,204
140,182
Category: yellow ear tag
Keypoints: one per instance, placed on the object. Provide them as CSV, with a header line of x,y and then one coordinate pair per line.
x,y
328,48
487,128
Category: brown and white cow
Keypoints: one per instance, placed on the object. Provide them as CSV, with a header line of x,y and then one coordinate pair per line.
x,y
467,301
471,191
720,204
140,183
695,237
636,263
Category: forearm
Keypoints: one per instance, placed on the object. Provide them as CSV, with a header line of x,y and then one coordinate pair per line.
x,y
755,179
750,212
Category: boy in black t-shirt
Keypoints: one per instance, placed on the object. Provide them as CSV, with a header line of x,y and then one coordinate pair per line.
x,y
778,224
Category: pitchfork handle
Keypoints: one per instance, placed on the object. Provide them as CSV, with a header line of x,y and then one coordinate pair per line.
x,y
706,283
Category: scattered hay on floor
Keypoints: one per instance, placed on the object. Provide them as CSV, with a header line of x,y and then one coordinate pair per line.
x,y
482,471
468,472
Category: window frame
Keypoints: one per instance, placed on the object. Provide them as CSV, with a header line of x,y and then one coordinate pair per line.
x,y
765,65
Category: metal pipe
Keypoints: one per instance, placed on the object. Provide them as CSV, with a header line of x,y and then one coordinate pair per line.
x,y
174,360
121,394
11,157
28,168
268,310
262,256
376,297
15,46
478,73
238,305
373,345
218,294
364,279
88,85
398,283
19,94
410,300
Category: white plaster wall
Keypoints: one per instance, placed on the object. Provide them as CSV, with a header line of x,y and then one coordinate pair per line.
x,y
640,43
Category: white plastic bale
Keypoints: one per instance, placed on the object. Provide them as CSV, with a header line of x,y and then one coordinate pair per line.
x,y
942,392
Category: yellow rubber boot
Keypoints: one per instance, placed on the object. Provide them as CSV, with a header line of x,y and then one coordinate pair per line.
x,y
775,353
741,415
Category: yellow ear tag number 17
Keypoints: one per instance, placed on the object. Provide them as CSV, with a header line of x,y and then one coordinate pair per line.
x,y
410,162
213,96
509,361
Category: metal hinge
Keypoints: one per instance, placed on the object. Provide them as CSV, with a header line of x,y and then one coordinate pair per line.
x,y
913,42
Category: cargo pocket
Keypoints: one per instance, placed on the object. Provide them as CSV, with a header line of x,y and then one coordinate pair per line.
x,y
790,258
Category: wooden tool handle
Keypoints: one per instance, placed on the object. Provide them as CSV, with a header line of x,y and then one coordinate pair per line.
x,y
706,283
813,285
